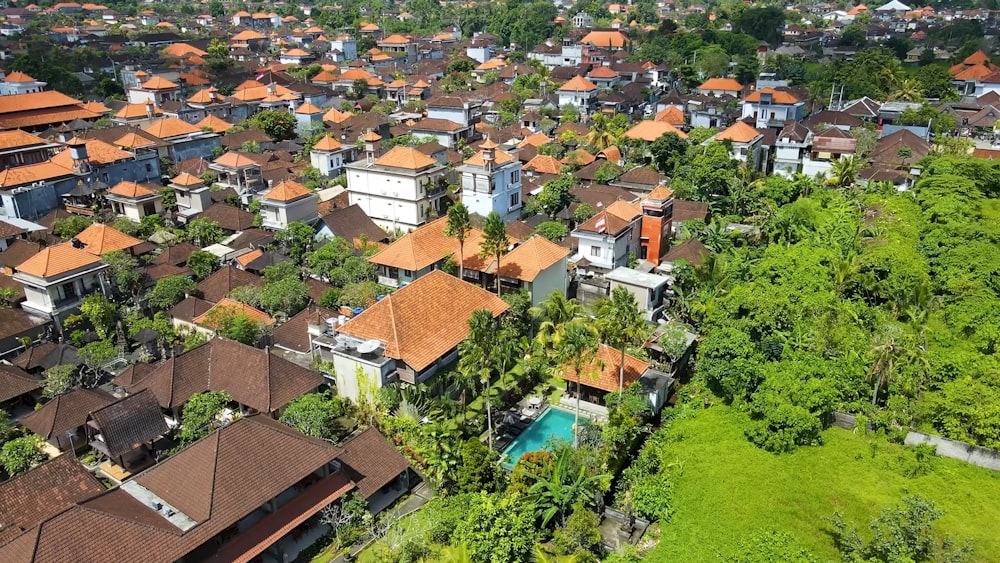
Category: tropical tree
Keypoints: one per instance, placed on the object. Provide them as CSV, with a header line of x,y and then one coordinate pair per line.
x,y
200,416
602,134
476,353
575,344
495,242
887,351
202,263
620,324
458,227
907,90
844,172
567,482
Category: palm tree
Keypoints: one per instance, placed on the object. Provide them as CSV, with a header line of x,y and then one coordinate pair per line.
x,y
600,136
495,242
479,349
907,90
539,555
576,344
620,324
466,375
887,351
555,311
458,228
844,172
555,493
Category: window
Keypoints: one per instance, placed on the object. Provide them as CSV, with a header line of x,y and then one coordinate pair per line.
x,y
595,251
149,167
515,199
515,176
407,273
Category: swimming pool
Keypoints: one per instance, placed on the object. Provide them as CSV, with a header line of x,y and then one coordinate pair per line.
x,y
553,423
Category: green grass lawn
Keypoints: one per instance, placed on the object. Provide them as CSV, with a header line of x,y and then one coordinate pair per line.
x,y
729,488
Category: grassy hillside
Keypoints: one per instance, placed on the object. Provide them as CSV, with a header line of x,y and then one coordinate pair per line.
x,y
729,488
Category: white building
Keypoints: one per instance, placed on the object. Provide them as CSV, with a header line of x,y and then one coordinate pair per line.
x,y
772,108
491,181
20,83
791,147
193,196
608,239
744,140
399,190
288,201
329,155
135,200
56,280
580,93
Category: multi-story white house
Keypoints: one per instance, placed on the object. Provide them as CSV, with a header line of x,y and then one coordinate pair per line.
x,y
579,92
792,145
744,140
491,181
56,280
135,200
193,195
607,239
453,108
772,108
329,155
288,201
399,190
827,147
20,83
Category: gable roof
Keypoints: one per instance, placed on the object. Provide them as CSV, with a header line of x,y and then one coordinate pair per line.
x,y
372,461
544,164
101,239
405,157
421,322
217,286
57,260
603,372
531,258
721,84
168,127
610,39
671,115
294,335
228,217
215,123
15,382
66,412
46,355
130,421
353,223
425,246
691,250
253,377
652,130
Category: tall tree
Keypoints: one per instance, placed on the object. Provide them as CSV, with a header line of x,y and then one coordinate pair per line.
x,y
620,324
458,228
477,351
495,242
576,345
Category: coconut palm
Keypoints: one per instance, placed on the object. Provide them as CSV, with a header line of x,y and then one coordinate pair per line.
x,y
554,312
458,227
575,345
477,352
620,324
844,172
907,90
453,554
495,242
600,136
887,351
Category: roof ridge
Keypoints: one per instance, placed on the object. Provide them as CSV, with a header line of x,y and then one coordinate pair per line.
x,y
217,436
395,325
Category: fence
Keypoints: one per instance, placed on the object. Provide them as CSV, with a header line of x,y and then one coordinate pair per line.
x,y
973,455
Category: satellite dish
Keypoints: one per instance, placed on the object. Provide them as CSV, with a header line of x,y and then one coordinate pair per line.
x,y
368,346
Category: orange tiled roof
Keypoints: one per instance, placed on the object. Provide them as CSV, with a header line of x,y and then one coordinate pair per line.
x,y
248,35
287,190
974,72
324,76
57,260
205,96
602,373
98,152
652,130
721,84
660,192
536,140
327,143
579,157
611,39
602,72
131,141
178,50
168,127
426,245
308,109
136,111
779,96
17,76
739,132
210,318
499,157
101,239
421,322
216,124
17,138
185,179
531,258
356,74
671,115
245,259
234,159
578,84
30,173
336,116
405,157
133,190
158,83
544,164
395,39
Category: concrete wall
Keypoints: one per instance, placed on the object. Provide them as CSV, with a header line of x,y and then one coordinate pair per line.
x,y
553,278
968,453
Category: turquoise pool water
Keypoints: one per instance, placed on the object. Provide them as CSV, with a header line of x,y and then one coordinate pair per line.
x,y
554,423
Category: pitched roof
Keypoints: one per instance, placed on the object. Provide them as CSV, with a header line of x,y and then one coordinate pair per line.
x,y
235,159
499,157
57,260
99,239
531,258
372,461
66,412
578,84
17,138
217,286
327,143
158,83
216,124
253,377
614,219
691,250
42,492
228,217
46,355
19,251
287,190
721,84
738,132
130,421
405,157
294,335
137,111
99,152
544,164
168,127
352,223
611,39
671,115
421,322
603,372
133,190
185,179
228,306
652,130
427,245
778,96
15,382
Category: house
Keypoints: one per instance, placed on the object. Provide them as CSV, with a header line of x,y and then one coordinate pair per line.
x,y
349,223
287,202
38,111
536,265
400,190
826,147
196,505
125,430
99,239
406,336
210,322
56,279
20,83
656,227
604,374
256,379
608,239
192,194
43,355
241,171
444,131
745,142
328,155
400,46
579,93
770,107
295,336
135,200
157,90
649,131
791,148
422,251
491,181
454,108
217,286
21,147
61,422
648,289
717,87
19,391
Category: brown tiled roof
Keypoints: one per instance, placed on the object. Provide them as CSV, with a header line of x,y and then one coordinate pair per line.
x,y
424,320
254,377
372,461
18,251
352,223
519,230
612,220
228,217
42,492
217,286
293,335
57,260
190,308
129,422
101,239
8,230
132,374
253,237
685,210
531,258
177,254
15,382
66,412
641,175
603,372
691,250
886,149
46,355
